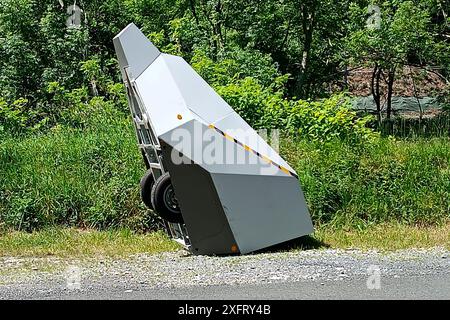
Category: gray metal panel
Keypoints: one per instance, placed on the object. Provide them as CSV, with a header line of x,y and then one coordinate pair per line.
x,y
134,50
208,228
196,148
199,96
263,210
162,98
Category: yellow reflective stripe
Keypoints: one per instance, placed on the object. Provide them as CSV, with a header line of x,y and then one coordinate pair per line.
x,y
247,148
266,159
228,137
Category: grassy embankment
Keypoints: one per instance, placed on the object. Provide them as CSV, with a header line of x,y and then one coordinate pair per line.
x,y
389,194
69,243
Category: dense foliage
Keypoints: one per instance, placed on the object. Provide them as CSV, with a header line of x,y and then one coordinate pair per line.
x,y
287,48
389,180
68,152
400,34
71,177
90,178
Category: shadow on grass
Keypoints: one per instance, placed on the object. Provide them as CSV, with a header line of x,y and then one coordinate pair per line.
x,y
302,243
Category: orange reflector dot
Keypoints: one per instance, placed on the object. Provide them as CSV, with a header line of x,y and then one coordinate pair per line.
x,y
179,117
234,248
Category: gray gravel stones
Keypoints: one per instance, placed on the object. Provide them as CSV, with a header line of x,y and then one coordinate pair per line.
x,y
178,269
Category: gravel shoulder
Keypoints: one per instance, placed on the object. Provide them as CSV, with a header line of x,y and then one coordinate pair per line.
x,y
310,274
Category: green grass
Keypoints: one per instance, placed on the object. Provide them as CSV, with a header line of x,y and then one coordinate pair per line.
x,y
386,237
67,242
90,179
405,181
76,243
86,179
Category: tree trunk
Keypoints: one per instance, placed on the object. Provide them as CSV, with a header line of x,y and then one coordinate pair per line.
x,y
308,21
345,87
94,89
375,88
194,13
390,88
415,94
219,25
211,32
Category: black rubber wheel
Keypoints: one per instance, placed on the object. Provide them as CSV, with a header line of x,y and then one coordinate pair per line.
x,y
164,200
147,183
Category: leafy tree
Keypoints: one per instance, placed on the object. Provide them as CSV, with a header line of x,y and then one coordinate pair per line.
x,y
306,43
399,38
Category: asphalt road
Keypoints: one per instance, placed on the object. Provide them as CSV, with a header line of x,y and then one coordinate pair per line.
x,y
425,287
312,274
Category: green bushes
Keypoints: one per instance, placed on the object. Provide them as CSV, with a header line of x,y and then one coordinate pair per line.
x,y
325,120
262,103
69,177
78,165
12,116
387,180
90,178
69,108
250,100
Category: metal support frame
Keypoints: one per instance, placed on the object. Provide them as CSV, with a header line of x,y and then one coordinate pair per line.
x,y
150,149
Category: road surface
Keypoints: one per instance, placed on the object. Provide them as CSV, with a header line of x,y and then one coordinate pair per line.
x,y
311,274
